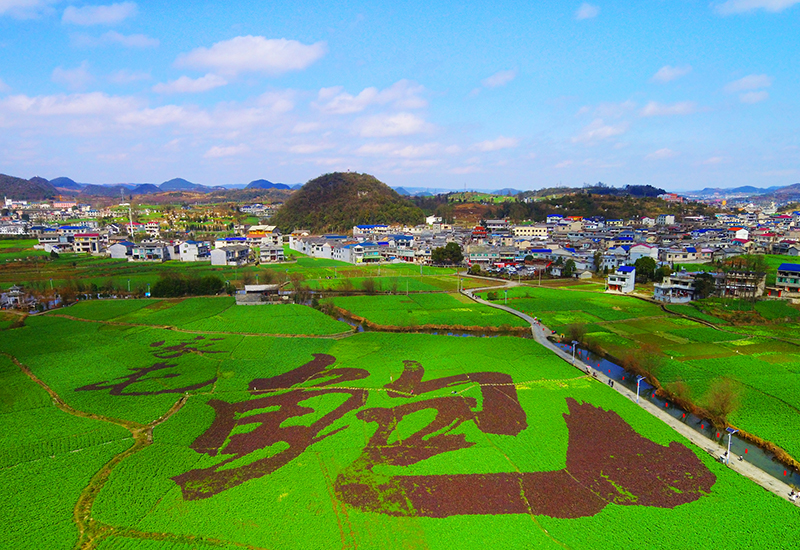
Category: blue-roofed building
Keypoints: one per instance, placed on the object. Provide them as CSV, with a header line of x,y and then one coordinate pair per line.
x,y
370,229
787,280
622,280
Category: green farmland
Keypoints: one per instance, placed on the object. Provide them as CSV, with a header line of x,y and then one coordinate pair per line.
x,y
162,439
426,310
764,359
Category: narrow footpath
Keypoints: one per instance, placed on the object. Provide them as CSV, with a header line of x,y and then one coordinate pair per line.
x,y
540,334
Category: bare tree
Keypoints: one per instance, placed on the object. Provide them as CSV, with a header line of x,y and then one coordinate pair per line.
x,y
723,397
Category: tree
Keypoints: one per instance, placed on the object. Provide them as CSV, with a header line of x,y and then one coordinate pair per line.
x,y
569,268
475,269
661,272
704,286
369,286
645,268
448,254
722,399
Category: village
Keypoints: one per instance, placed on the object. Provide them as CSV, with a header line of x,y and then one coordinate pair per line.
x,y
669,252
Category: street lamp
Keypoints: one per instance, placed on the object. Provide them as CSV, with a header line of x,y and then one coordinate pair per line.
x,y
730,431
506,300
129,285
639,379
574,343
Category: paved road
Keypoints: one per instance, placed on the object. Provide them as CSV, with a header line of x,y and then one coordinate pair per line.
x,y
541,332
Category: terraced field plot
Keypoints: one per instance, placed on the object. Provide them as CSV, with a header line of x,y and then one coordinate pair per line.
x,y
371,441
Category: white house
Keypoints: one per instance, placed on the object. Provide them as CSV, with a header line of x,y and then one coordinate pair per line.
x,y
642,251
121,250
236,254
195,251
622,280
271,254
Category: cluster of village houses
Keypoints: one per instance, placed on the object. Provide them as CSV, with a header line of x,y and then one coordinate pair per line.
x,y
589,245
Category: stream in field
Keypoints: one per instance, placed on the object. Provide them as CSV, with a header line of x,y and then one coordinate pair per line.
x,y
740,449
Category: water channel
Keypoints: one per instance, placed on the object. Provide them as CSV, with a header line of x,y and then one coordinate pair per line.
x,y
740,449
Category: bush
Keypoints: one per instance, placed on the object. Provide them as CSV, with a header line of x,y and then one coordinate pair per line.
x,y
172,285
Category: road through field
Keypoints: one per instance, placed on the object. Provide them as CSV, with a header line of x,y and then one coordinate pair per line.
x,y
541,332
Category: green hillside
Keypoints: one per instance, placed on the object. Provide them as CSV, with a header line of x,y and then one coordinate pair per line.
x,y
338,201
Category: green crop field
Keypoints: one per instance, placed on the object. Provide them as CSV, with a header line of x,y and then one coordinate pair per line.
x,y
767,370
376,440
210,315
426,309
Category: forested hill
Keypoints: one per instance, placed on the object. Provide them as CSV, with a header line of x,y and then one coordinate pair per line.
x,y
338,201
581,203
22,189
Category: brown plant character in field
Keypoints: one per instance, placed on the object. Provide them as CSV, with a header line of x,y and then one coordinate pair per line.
x,y
607,462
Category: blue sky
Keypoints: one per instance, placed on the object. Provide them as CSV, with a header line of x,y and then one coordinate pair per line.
x,y
680,94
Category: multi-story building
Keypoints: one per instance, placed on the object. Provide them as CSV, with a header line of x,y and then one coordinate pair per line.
x,y
787,280
677,288
622,280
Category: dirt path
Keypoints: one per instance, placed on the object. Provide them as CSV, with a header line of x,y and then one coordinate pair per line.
x,y
540,333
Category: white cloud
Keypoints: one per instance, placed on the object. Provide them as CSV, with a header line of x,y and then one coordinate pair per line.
x,y
749,82
730,7
400,150
309,148
668,73
753,97
277,102
253,54
124,76
500,78
662,154
228,151
95,103
115,38
614,110
564,164
387,125
586,11
654,108
99,15
501,142
305,127
598,131
74,79
403,94
4,87
186,85
713,160
24,9
461,170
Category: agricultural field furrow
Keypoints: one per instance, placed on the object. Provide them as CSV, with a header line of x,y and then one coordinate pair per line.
x,y
376,440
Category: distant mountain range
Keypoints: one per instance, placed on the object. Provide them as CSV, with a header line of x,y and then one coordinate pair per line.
x,y
431,191
744,190
39,188
266,184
